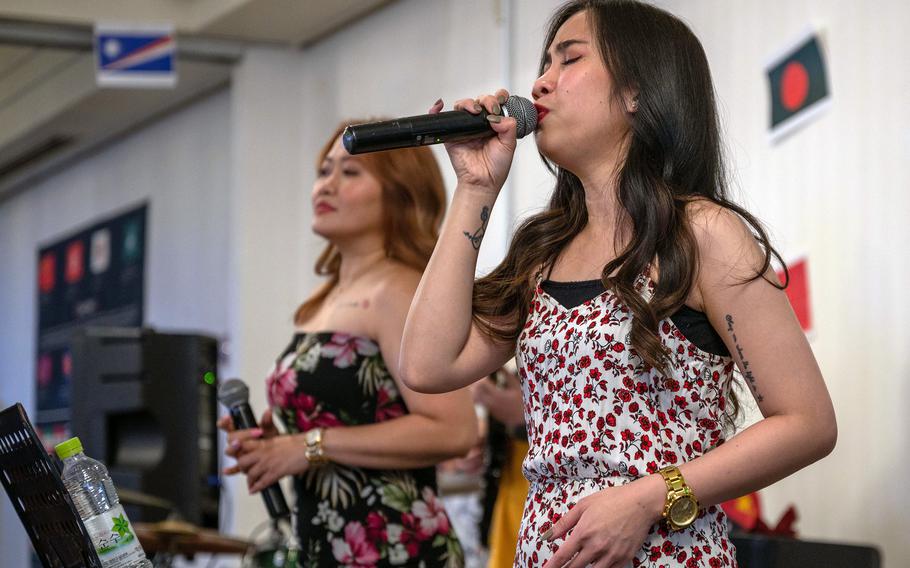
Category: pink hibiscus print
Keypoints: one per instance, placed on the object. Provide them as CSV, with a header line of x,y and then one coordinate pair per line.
x,y
387,405
411,534
354,551
310,415
376,528
345,348
430,514
281,381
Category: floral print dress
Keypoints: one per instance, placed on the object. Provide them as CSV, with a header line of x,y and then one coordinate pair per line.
x,y
597,417
351,516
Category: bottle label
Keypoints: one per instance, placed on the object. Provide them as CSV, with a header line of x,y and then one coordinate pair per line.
x,y
115,542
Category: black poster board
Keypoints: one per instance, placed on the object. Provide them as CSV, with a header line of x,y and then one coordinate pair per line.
x,y
94,276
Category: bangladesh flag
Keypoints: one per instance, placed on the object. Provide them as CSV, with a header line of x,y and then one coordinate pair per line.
x,y
798,82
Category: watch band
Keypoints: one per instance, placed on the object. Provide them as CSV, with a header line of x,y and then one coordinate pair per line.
x,y
674,479
676,489
314,452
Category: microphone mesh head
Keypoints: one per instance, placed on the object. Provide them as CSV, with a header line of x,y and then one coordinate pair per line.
x,y
233,392
523,111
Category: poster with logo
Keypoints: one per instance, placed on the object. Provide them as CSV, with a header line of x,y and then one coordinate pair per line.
x,y
95,276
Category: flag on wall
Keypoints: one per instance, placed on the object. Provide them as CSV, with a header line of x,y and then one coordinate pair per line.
x,y
798,82
135,56
798,291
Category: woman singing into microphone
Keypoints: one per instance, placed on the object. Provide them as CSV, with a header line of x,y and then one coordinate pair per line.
x,y
362,447
628,303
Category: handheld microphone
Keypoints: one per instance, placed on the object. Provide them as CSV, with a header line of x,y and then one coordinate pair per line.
x,y
235,395
449,126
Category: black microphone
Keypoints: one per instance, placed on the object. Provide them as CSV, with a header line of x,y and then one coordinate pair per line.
x,y
235,395
449,126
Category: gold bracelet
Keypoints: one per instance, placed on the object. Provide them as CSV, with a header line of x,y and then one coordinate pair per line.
x,y
314,452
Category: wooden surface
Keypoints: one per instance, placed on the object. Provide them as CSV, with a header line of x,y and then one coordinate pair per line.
x,y
186,539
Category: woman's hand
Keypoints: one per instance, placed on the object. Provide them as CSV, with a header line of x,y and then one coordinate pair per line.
x,y
266,424
266,460
483,163
608,527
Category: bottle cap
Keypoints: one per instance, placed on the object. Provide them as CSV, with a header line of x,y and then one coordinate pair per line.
x,y
68,448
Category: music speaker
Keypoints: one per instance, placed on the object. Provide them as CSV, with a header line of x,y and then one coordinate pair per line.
x,y
145,404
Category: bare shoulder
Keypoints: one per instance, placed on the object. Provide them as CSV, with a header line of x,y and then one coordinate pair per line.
x,y
396,285
715,224
729,254
723,236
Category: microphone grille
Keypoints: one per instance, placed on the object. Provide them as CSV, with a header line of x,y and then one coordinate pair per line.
x,y
524,113
233,392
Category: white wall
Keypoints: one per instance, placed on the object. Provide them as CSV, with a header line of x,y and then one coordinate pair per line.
x,y
268,246
836,190
180,166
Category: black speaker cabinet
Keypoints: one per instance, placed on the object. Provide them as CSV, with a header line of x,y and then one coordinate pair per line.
x,y
145,404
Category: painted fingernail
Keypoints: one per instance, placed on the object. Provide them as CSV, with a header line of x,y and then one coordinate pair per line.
x,y
547,535
256,433
235,444
477,107
438,102
494,118
497,109
502,99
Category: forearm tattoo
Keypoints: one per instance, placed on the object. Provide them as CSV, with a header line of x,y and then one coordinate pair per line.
x,y
747,373
477,236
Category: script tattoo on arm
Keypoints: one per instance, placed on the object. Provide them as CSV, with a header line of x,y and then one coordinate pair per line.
x,y
747,373
477,236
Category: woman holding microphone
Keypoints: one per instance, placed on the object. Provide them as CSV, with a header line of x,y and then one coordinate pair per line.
x,y
361,446
628,303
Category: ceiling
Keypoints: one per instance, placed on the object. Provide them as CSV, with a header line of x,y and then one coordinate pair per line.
x,y
51,110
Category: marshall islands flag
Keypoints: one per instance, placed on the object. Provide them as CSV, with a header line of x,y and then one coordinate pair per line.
x,y
135,56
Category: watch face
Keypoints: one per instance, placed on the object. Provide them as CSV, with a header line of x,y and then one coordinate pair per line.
x,y
683,511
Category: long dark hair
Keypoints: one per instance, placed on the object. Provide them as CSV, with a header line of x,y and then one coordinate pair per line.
x,y
413,205
674,158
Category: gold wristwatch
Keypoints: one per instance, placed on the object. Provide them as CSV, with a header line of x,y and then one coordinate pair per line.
x,y
681,507
314,452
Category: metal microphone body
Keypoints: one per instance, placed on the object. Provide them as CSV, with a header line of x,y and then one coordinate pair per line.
x,y
234,395
425,129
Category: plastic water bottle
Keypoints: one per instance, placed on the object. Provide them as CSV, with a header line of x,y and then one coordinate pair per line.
x,y
95,498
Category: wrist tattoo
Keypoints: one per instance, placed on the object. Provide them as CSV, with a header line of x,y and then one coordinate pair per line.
x,y
747,373
477,235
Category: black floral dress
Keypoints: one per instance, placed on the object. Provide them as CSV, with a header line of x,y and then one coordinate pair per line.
x,y
350,516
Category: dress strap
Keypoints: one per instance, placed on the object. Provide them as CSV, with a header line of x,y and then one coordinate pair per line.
x,y
538,276
644,284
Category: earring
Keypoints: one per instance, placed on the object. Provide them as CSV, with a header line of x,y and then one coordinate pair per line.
x,y
634,104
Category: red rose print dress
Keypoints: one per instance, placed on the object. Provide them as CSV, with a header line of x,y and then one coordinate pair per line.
x,y
350,516
597,418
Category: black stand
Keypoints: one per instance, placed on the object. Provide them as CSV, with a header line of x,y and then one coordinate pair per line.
x,y
758,551
42,502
